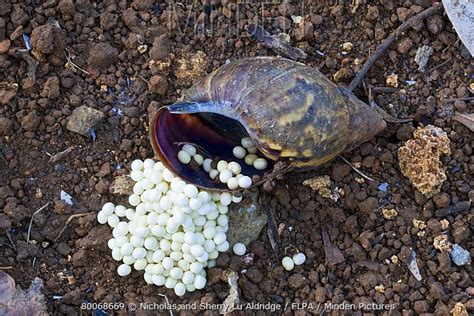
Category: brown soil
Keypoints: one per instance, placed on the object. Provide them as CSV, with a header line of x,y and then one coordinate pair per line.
x,y
104,39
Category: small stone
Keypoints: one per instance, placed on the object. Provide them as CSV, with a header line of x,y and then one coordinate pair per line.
x,y
392,80
67,8
435,23
31,121
190,67
63,249
5,224
102,55
158,85
161,47
320,294
6,126
368,205
122,185
343,74
42,38
422,57
304,32
460,256
404,45
4,46
7,289
296,280
403,13
51,88
83,120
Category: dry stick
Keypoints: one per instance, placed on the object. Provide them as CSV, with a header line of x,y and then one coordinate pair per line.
x,y
67,54
389,41
6,268
167,302
31,221
69,220
355,169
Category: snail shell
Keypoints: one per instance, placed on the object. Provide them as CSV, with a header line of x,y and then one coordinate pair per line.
x,y
292,113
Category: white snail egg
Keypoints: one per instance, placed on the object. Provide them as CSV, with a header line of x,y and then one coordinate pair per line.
x,y
176,246
116,254
260,164
219,238
124,270
190,190
206,165
196,267
126,249
184,157
209,232
195,204
211,263
204,196
158,166
234,167
167,263
151,218
120,210
226,198
146,183
112,243
199,282
177,185
170,283
137,165
181,199
247,142
142,231
156,177
158,255
136,175
250,158
209,246
222,165
223,247
113,220
233,183
139,253
108,208
151,243
178,237
134,199
239,249
245,182
299,258
158,231
128,260
197,250
189,238
287,263
121,229
213,174
167,175
179,289
165,245
102,217
239,152
190,149
188,277
203,258
176,273
222,220
158,280
148,164
237,198
140,264
252,150
199,159
176,255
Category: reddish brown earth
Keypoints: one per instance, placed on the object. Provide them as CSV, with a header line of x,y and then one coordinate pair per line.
x,y
104,37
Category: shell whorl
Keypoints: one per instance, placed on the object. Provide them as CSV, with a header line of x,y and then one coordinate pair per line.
x,y
290,110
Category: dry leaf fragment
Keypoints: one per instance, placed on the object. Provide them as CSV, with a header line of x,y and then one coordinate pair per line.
x,y
465,119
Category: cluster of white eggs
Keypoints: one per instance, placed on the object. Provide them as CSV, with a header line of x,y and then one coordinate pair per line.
x,y
173,232
227,172
290,262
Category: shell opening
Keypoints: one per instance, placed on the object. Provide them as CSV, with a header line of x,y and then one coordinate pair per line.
x,y
214,134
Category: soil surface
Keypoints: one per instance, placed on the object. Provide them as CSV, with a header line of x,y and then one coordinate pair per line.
x,y
128,58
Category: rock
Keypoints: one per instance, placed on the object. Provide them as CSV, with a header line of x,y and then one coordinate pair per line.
x,y
435,23
31,121
102,55
373,13
214,275
108,20
122,185
460,256
42,39
97,237
51,88
67,8
437,291
249,290
6,95
246,221
339,171
142,5
5,224
421,307
7,290
15,301
368,205
343,74
6,126
403,13
161,47
320,294
460,232
190,67
419,159
296,280
422,57
304,32
158,85
132,111
79,258
25,250
84,119
404,45
442,200
4,46
254,275
63,249
102,186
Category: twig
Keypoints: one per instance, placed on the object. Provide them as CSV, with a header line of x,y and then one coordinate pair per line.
x,y
31,221
6,268
356,170
439,66
67,54
167,302
273,42
389,40
11,240
272,227
69,220
60,155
